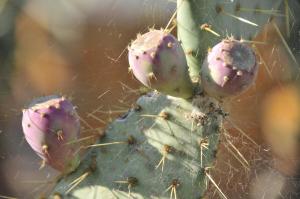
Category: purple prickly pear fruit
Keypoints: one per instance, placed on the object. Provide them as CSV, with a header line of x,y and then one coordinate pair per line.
x,y
49,124
229,69
157,60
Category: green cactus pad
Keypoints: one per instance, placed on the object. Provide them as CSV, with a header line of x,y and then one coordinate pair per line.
x,y
182,136
241,19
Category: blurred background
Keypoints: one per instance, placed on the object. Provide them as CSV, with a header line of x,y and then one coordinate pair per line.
x,y
78,49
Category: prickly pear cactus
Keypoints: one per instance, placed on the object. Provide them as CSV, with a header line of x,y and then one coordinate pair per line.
x,y
202,23
162,148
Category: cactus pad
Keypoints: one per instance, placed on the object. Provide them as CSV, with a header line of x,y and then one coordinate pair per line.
x,y
160,149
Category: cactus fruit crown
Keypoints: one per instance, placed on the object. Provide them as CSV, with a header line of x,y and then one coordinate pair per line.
x,y
49,123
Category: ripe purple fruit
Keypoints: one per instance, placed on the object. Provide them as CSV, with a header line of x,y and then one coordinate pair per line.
x,y
229,69
158,61
49,123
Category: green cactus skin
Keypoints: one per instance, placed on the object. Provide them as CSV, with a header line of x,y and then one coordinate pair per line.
x,y
191,14
161,128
